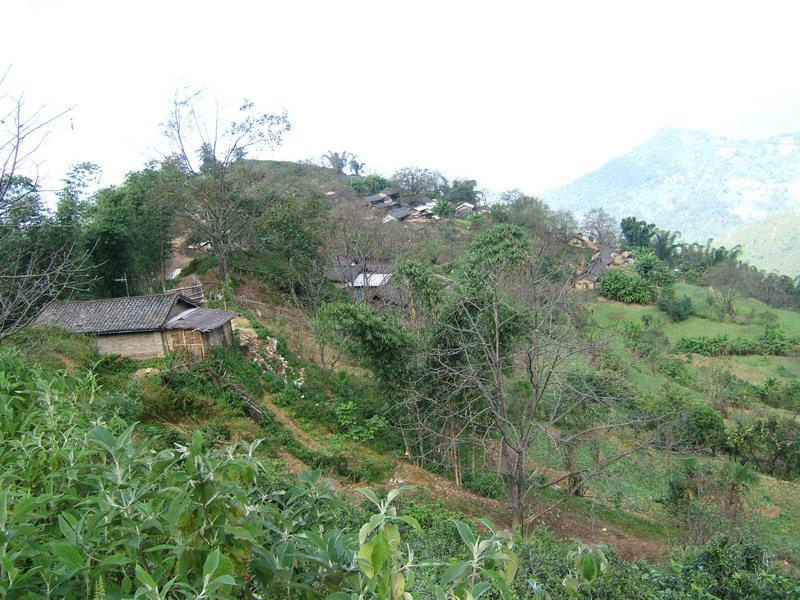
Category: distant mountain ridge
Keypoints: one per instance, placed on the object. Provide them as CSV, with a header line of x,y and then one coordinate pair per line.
x,y
772,244
700,184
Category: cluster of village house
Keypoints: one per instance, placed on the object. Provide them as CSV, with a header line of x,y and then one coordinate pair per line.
x,y
602,260
413,208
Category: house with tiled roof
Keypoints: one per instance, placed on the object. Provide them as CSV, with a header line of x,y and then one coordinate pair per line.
x,y
143,326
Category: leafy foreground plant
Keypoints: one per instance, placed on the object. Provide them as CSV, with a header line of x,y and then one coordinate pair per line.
x,y
88,510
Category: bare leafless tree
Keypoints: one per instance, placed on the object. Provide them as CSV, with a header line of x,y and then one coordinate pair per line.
x,y
33,270
505,371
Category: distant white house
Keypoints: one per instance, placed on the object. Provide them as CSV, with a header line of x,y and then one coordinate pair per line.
x,y
465,209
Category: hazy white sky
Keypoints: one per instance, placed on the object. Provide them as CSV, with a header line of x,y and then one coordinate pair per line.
x,y
513,94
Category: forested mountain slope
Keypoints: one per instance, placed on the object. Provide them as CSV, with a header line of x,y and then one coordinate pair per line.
x,y
771,243
693,182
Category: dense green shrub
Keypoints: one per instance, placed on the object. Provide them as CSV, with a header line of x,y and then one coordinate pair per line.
x,y
643,338
785,396
718,345
701,426
771,444
675,368
369,184
486,484
201,264
618,285
678,309
653,270
773,341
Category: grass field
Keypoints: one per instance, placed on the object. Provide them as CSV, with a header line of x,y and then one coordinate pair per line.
x,y
635,484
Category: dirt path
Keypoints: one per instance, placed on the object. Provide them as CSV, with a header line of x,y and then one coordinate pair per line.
x,y
567,524
302,436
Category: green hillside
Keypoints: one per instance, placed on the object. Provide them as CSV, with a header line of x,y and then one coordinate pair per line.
x,y
738,382
772,243
468,425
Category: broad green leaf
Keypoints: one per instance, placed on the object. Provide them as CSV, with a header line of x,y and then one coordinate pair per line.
x,y
408,520
454,572
398,584
392,535
512,564
210,565
104,437
499,582
240,533
465,531
365,560
589,567
380,551
145,578
11,570
370,496
67,553
366,529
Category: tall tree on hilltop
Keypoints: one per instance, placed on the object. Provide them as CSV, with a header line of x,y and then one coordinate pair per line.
x,y
413,181
463,190
355,166
337,161
601,226
637,234
207,151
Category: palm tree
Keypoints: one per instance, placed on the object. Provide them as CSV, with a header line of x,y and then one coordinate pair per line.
x,y
337,161
355,166
665,244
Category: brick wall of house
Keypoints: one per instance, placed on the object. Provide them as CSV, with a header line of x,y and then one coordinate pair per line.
x,y
134,345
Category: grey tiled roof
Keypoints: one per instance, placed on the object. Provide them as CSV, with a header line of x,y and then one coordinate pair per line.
x,y
598,265
200,319
112,315
400,212
343,271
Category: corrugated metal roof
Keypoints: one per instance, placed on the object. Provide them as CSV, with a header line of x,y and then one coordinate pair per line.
x,y
371,280
200,319
111,315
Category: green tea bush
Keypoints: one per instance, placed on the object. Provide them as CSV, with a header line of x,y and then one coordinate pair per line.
x,y
678,309
773,342
675,368
618,285
485,483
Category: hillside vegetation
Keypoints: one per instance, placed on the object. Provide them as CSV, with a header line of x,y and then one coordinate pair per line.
x,y
700,184
468,425
771,243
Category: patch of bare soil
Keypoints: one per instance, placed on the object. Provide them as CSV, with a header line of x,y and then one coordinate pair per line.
x,y
568,526
177,259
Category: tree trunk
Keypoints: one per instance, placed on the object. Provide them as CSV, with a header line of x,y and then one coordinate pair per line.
x,y
222,259
454,454
518,492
